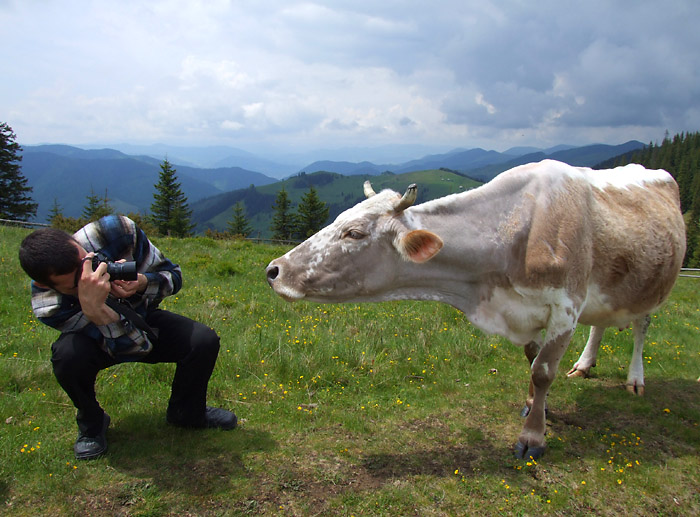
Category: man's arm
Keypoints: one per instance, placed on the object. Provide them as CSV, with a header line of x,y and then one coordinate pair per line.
x,y
163,277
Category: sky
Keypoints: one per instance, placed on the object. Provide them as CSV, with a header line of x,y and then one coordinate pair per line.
x,y
273,76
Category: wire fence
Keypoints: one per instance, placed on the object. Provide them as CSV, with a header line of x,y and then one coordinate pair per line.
x,y
29,224
25,224
273,241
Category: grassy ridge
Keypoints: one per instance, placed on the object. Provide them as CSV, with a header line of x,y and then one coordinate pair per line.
x,y
376,409
337,191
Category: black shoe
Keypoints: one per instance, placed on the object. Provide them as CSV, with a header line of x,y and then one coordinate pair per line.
x,y
220,418
214,418
91,447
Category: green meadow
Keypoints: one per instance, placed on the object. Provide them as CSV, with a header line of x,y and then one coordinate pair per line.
x,y
400,408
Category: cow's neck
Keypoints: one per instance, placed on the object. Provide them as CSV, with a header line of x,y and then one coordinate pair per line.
x,y
481,231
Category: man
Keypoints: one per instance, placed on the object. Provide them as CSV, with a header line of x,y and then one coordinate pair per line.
x,y
68,295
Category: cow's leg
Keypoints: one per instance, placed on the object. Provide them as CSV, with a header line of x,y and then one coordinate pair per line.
x,y
635,376
531,442
583,366
531,351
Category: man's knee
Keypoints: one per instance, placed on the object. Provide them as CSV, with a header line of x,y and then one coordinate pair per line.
x,y
207,340
76,353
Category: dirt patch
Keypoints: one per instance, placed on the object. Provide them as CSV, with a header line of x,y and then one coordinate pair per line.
x,y
440,461
116,500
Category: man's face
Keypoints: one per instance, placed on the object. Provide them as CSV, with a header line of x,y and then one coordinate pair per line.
x,y
68,283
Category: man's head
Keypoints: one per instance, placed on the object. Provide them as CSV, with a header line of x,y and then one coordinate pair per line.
x,y
49,253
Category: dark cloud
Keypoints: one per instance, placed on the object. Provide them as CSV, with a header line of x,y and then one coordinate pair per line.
x,y
454,72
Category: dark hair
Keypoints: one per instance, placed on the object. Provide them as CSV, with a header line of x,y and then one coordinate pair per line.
x,y
47,252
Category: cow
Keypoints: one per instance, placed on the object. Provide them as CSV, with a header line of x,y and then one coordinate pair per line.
x,y
529,255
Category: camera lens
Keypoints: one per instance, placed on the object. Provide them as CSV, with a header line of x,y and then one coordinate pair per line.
x,y
121,270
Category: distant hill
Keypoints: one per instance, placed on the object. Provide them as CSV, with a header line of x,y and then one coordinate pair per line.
x,y
209,157
345,168
481,164
342,191
586,156
68,175
338,191
520,151
459,160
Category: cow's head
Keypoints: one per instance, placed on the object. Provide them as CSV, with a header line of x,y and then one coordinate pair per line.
x,y
358,256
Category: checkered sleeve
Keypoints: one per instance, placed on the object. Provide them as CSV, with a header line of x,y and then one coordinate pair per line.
x,y
118,237
114,237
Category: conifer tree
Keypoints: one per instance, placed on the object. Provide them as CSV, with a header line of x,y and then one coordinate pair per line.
x,y
55,212
180,225
311,214
15,200
283,220
97,207
238,225
57,220
170,212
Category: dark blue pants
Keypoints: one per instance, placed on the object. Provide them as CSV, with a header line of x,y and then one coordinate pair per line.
x,y
193,346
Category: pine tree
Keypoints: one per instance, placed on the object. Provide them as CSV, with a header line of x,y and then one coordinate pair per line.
x,y
283,220
692,254
311,214
57,220
170,212
15,200
180,225
97,207
55,212
238,225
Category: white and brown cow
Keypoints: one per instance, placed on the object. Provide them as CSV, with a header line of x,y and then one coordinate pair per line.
x,y
529,255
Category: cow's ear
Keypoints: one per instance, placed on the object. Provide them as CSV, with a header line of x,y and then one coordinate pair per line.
x,y
420,245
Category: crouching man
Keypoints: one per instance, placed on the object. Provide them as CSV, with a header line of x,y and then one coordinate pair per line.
x,y
86,306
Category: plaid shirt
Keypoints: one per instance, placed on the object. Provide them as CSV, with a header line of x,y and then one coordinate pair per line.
x,y
115,237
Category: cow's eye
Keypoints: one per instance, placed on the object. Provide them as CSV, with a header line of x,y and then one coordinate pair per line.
x,y
353,234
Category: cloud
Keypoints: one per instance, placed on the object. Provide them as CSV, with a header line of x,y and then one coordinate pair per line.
x,y
311,73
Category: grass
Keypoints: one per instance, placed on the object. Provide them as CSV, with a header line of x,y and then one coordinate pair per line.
x,y
396,408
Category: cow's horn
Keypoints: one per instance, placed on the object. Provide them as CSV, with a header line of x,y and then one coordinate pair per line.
x,y
369,191
408,198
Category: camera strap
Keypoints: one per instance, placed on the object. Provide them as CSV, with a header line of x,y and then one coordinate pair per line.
x,y
133,316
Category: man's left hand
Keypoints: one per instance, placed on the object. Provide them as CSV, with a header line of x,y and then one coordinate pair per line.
x,y
128,288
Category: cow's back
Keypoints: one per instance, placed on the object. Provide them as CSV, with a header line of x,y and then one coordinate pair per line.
x,y
613,239
638,236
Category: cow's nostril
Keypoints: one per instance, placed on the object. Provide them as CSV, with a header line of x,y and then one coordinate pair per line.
x,y
272,272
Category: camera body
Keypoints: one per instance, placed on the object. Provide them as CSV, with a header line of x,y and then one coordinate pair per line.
x,y
116,270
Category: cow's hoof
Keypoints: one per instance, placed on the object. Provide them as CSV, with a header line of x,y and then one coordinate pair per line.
x,y
523,452
575,372
635,389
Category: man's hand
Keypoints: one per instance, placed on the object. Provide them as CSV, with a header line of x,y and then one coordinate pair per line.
x,y
127,288
93,289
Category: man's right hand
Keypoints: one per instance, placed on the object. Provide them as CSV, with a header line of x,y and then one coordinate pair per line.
x,y
93,289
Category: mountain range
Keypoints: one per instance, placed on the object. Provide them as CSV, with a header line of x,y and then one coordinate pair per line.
x,y
483,165
67,174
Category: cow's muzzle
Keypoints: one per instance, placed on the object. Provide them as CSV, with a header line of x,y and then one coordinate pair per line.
x,y
280,285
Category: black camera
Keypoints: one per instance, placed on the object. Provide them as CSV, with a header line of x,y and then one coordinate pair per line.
x,y
116,270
